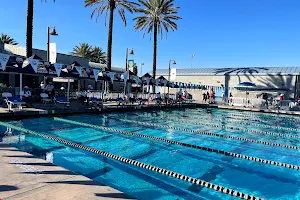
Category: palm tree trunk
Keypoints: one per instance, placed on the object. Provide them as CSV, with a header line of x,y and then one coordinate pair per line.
x,y
29,28
110,32
154,54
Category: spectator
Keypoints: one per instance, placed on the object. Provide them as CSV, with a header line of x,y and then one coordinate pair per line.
x,y
50,90
204,96
158,96
186,94
83,96
42,85
180,94
27,96
207,95
131,98
281,97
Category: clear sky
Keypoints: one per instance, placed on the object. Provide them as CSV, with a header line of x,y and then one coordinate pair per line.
x,y
231,33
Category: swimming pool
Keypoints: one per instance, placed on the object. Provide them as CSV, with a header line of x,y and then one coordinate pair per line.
x,y
140,153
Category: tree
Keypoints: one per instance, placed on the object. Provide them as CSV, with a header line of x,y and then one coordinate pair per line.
x,y
158,16
98,55
29,27
109,6
83,50
6,39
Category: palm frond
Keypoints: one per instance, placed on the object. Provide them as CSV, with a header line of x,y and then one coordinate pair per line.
x,y
6,39
159,13
104,5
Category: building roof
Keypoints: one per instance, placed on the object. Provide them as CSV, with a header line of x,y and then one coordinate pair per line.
x,y
103,66
232,71
61,58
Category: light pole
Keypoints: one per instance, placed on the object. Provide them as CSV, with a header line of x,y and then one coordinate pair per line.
x,y
174,63
53,32
131,53
142,64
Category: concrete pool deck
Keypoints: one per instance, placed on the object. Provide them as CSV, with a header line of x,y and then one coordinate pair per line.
x,y
24,176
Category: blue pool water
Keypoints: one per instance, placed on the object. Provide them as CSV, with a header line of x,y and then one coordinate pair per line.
x,y
258,179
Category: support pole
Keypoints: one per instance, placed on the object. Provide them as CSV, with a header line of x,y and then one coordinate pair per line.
x,y
21,84
68,91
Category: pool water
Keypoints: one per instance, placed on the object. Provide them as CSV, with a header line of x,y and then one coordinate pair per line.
x,y
254,178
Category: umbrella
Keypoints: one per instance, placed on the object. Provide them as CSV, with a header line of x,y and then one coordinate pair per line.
x,y
14,64
245,85
40,66
146,75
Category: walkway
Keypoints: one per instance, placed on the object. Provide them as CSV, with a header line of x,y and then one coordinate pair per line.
x,y
24,176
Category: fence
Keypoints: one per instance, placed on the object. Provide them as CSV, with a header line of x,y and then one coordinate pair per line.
x,y
261,103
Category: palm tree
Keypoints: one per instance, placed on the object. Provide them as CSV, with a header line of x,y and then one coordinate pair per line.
x,y
83,50
6,39
157,16
29,27
98,55
109,6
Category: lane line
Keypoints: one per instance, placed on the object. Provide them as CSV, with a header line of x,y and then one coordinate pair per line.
x,y
241,129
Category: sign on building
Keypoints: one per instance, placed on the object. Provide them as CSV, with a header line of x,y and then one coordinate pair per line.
x,y
173,74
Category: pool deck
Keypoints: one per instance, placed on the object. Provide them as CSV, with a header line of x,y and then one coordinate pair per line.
x,y
24,176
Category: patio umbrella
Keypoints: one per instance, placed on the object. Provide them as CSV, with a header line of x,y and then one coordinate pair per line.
x,y
245,86
74,70
55,69
14,64
35,65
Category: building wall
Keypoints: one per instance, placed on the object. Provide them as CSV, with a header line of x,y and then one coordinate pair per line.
x,y
265,81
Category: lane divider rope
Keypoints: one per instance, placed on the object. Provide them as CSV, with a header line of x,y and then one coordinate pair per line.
x,y
234,128
211,134
235,118
266,115
252,124
240,129
153,168
226,153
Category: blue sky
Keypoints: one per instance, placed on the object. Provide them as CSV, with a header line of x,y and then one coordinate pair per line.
x,y
231,33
